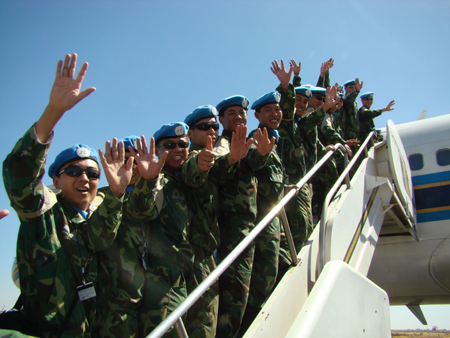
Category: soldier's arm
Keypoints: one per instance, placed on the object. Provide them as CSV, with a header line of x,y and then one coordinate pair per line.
x,y
367,114
192,175
147,198
330,133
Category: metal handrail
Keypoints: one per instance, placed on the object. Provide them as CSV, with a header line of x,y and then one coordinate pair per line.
x,y
171,319
336,186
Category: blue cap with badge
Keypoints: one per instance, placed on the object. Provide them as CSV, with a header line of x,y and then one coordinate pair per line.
x,y
303,90
349,83
342,96
177,129
368,94
76,152
128,141
235,100
200,113
272,97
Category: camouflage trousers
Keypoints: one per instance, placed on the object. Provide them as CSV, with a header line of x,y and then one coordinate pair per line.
x,y
265,263
165,288
299,215
322,182
118,322
234,283
201,319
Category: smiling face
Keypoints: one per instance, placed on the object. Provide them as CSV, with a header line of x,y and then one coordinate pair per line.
x,y
269,115
349,89
199,137
367,102
78,191
301,104
177,155
316,101
232,117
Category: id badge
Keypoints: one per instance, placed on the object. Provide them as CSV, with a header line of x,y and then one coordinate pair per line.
x,y
86,291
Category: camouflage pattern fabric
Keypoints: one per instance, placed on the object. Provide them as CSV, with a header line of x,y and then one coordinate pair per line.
x,y
238,210
163,203
204,235
271,185
55,242
366,122
121,277
350,124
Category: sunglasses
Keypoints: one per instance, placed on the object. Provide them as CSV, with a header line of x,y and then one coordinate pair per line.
x,y
172,145
368,98
320,98
75,171
351,87
205,126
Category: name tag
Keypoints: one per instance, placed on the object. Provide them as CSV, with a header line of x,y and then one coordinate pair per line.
x,y
86,291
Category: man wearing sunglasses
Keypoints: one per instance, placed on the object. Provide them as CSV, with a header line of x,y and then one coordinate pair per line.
x,y
122,267
349,123
366,116
161,198
60,234
238,212
203,171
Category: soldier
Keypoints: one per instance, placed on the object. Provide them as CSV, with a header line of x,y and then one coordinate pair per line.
x,y
121,268
349,123
366,116
161,198
203,171
60,234
271,184
237,214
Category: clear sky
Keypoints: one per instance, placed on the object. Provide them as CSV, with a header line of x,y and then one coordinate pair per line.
x,y
153,62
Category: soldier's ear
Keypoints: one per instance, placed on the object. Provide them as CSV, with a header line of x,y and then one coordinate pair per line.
x,y
221,120
189,134
56,182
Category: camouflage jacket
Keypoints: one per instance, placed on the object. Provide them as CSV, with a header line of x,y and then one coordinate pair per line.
x,y
164,203
366,122
271,179
56,246
238,194
327,132
293,153
349,122
204,199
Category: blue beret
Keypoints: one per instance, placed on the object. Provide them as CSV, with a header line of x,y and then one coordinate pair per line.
x,y
272,97
342,96
76,152
349,82
200,113
313,89
236,100
177,129
129,141
368,94
305,91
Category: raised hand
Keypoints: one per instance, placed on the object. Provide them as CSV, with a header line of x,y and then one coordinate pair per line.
x,y
4,213
118,173
280,72
330,98
262,142
389,106
358,84
239,145
149,167
295,67
64,95
205,160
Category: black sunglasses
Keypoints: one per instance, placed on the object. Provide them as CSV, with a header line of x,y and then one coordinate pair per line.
x,y
368,98
172,145
206,126
320,98
75,171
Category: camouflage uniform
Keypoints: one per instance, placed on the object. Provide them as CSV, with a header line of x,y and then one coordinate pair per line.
x,y
55,243
267,244
121,275
163,203
329,133
204,235
237,216
366,122
349,123
294,154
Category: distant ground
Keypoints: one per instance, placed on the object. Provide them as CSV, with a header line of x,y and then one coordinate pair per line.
x,y
420,333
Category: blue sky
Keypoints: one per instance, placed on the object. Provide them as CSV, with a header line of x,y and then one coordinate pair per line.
x,y
153,62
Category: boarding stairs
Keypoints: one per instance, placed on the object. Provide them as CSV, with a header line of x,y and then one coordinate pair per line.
x,y
326,293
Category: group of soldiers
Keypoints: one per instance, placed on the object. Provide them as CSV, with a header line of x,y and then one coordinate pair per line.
x,y
115,261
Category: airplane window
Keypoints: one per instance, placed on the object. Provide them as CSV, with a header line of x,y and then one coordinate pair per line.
x,y
443,157
416,161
